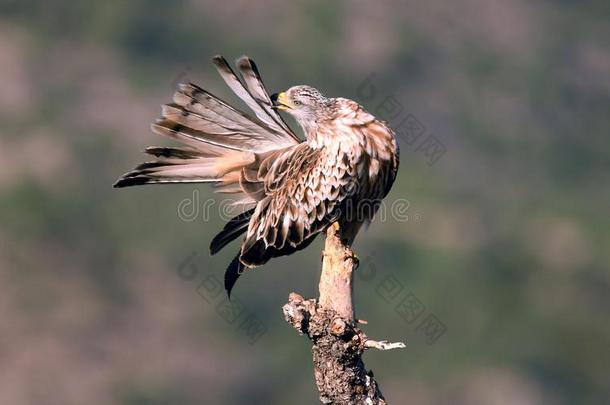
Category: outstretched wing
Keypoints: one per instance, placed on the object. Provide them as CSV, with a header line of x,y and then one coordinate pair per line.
x,y
220,139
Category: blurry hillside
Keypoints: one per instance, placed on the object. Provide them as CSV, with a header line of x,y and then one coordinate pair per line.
x,y
506,242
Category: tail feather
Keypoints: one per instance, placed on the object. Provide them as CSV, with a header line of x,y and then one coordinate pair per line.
x,y
236,267
235,227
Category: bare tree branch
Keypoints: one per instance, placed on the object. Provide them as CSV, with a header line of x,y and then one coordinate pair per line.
x,y
340,374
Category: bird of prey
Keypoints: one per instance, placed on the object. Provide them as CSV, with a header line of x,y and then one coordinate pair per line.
x,y
291,190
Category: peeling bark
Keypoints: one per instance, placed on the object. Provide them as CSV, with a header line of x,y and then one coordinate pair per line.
x,y
338,345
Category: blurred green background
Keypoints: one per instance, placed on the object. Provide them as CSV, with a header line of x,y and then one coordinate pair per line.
x,y
507,242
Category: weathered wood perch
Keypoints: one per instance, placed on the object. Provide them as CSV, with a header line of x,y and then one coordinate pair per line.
x,y
338,344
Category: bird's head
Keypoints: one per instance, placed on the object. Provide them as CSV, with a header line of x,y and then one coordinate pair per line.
x,y
306,104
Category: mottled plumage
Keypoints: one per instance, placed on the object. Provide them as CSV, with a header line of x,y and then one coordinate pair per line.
x,y
291,190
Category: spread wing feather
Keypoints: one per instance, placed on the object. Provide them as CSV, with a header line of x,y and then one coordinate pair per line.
x,y
260,107
220,139
256,87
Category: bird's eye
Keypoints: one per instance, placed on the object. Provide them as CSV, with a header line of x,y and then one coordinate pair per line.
x,y
297,102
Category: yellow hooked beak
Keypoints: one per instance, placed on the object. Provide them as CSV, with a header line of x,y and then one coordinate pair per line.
x,y
281,101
